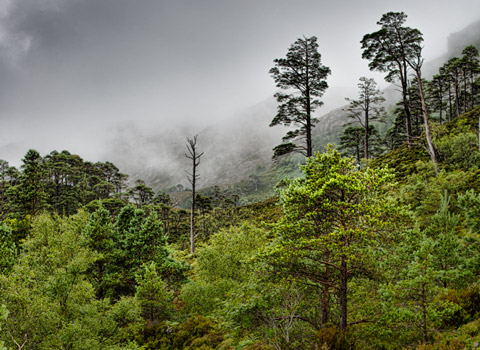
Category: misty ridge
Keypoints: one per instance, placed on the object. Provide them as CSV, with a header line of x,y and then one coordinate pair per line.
x,y
241,145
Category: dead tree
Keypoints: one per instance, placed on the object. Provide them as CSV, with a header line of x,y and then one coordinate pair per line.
x,y
194,156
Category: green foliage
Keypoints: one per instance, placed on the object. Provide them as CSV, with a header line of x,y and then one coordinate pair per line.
x,y
402,160
8,250
152,294
459,151
223,265
3,317
50,301
136,239
197,332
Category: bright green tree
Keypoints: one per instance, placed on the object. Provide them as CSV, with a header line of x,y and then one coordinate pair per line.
x,y
51,303
222,267
333,215
152,294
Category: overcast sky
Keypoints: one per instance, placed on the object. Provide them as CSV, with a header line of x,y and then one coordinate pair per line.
x,y
71,69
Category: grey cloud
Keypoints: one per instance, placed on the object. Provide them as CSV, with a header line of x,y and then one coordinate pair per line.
x,y
71,71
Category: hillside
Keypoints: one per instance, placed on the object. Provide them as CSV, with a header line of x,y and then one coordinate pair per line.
x,y
240,148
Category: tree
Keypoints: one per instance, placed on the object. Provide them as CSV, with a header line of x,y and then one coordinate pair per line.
x,y
333,216
389,50
366,108
352,142
194,156
141,193
453,70
30,193
472,68
437,88
152,294
98,237
302,76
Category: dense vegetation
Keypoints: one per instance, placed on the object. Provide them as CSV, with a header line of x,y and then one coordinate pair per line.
x,y
381,253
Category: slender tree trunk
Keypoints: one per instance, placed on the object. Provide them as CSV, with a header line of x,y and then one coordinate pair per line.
x,y
450,102
472,88
366,131
408,117
193,177
309,107
192,215
325,296
309,137
457,98
428,135
343,294
441,106
465,91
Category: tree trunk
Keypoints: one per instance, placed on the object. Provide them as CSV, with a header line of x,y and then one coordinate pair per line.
x,y
472,88
465,91
457,98
408,117
309,112
431,148
192,216
441,107
195,157
366,132
450,102
343,294
325,296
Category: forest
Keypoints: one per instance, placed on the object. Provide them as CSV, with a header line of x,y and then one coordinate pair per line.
x,y
376,245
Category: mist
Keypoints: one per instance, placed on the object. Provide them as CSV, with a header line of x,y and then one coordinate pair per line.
x,y
128,81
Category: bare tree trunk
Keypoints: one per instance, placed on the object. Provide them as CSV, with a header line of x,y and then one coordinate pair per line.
x,y
366,132
417,67
192,178
431,148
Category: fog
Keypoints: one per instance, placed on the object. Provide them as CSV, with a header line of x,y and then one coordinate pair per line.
x,y
99,77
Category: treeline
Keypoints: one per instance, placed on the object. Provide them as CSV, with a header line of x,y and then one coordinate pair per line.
x,y
62,183
451,92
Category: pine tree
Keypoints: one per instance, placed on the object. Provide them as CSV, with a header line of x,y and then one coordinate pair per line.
x,y
389,50
303,78
366,108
